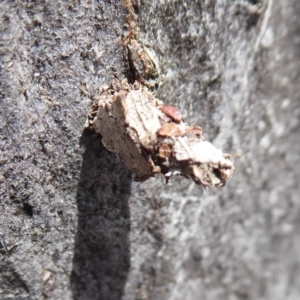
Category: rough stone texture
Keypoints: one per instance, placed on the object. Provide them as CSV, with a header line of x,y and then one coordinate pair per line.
x,y
73,225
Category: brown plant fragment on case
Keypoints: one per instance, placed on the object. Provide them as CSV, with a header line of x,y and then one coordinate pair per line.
x,y
135,125
172,112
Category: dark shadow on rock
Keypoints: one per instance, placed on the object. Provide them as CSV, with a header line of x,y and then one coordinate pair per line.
x,y
102,249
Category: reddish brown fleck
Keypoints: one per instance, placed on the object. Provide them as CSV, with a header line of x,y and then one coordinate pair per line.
x,y
171,129
196,130
165,151
172,112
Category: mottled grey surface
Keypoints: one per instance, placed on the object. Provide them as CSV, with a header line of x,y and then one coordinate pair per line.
x,y
73,225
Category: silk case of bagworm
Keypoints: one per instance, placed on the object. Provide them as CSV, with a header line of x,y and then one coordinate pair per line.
x,y
152,138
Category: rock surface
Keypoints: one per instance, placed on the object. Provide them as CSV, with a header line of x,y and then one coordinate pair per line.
x,y
73,224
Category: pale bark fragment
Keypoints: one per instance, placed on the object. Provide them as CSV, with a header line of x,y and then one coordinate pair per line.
x,y
139,129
